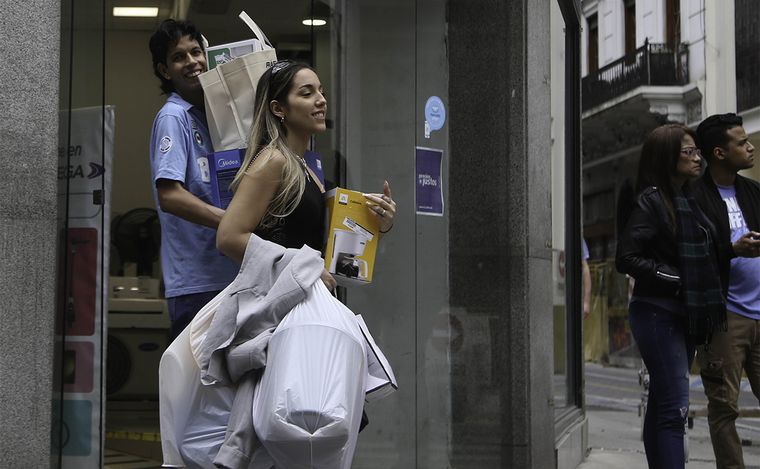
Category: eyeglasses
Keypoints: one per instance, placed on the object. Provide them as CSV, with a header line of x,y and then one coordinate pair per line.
x,y
691,151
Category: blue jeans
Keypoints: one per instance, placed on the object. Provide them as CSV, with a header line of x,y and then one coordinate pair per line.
x,y
182,310
667,352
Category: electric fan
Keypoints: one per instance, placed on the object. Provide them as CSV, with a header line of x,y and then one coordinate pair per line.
x,y
137,237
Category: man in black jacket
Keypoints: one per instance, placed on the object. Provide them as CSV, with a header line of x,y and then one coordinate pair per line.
x,y
732,202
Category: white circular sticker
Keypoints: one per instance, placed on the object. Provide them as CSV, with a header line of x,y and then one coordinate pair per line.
x,y
165,144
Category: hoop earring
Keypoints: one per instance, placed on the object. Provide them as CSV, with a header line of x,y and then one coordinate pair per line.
x,y
282,120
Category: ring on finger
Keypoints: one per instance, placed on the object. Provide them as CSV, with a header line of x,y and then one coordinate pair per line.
x,y
382,214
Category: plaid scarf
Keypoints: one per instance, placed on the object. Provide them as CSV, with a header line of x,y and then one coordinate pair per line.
x,y
700,284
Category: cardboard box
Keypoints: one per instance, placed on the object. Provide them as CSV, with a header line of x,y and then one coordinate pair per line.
x,y
352,236
224,166
221,54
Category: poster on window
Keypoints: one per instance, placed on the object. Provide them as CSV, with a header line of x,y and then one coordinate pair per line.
x,y
429,182
84,185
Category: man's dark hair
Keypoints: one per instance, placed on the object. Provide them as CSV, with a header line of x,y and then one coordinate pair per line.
x,y
169,32
712,132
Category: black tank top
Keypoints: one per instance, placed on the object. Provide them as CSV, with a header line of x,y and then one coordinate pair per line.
x,y
304,225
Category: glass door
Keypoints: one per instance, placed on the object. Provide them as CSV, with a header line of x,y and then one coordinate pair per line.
x,y
84,155
569,248
113,321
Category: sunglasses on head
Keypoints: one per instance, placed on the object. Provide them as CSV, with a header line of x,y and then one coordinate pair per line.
x,y
281,65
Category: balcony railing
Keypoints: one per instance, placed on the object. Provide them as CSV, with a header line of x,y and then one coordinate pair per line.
x,y
649,65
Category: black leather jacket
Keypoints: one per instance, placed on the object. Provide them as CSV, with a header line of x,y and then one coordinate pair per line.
x,y
647,248
710,201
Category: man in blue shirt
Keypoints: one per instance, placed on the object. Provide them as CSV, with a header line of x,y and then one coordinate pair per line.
x,y
194,271
732,202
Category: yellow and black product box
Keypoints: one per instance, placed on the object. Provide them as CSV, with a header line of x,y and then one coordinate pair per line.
x,y
352,236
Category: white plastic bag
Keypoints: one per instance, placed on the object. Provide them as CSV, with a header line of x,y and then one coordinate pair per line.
x,y
193,417
308,403
200,324
381,382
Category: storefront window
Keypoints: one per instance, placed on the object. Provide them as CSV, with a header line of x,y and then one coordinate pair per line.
x,y
108,225
386,95
385,66
568,247
84,156
559,248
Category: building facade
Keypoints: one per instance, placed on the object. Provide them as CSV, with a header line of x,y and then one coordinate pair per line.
x,y
489,363
646,63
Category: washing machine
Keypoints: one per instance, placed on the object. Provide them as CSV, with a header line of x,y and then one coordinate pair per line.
x,y
138,334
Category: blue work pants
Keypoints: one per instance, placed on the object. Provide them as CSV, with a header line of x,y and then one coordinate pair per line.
x,y
182,310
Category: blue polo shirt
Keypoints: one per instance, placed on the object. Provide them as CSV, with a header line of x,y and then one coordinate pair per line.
x,y
179,146
744,276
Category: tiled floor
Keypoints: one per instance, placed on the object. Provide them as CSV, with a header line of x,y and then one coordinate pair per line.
x,y
132,435
117,460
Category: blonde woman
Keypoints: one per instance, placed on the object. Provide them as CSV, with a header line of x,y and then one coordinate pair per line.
x,y
276,195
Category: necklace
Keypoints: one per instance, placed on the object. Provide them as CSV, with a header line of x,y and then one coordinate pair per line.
x,y
305,167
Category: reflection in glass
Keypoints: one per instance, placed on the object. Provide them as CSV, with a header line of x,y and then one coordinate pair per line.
x,y
559,266
85,142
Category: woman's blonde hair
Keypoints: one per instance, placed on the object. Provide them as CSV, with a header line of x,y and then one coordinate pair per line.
x,y
267,136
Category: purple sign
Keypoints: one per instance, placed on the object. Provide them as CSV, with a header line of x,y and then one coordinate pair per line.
x,y
429,193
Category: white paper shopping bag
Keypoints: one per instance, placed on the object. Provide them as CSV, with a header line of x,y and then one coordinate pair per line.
x,y
230,89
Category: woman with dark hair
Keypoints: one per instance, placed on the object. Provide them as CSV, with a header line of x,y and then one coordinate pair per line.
x,y
677,299
276,195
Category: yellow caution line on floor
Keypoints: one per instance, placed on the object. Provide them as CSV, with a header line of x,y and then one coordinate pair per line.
x,y
134,436
118,460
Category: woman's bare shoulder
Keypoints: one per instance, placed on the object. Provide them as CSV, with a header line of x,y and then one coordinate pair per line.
x,y
269,160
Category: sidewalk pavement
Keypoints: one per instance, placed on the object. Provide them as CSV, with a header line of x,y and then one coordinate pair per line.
x,y
615,442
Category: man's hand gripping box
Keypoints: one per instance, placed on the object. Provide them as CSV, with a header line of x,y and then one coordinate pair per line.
x,y
352,236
